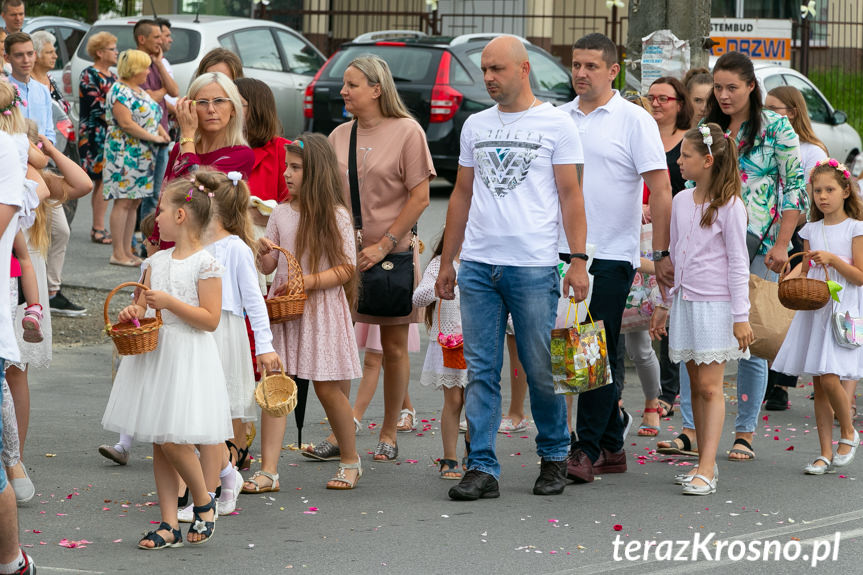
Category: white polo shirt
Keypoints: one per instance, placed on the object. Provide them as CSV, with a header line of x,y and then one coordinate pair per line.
x,y
515,211
621,141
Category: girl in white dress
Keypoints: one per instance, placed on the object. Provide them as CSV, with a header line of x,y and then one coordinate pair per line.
x,y
710,315
833,238
230,237
434,373
176,396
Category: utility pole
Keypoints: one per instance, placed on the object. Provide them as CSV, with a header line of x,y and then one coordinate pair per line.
x,y
687,19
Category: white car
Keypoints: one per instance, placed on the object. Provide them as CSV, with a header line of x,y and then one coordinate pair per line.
x,y
830,125
270,52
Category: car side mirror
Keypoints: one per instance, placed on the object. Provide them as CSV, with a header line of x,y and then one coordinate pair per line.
x,y
839,117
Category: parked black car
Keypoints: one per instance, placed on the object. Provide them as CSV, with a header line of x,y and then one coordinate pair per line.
x,y
440,81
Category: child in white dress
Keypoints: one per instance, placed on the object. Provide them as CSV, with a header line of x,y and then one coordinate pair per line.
x,y
175,396
710,315
434,372
832,238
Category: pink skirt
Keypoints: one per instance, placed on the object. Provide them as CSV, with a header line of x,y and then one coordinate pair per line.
x,y
369,337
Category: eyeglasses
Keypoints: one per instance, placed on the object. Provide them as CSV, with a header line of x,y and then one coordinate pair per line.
x,y
777,108
661,99
215,102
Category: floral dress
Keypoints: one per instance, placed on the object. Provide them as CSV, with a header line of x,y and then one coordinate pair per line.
x,y
93,127
771,166
129,162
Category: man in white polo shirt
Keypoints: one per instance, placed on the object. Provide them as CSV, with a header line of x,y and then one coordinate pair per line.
x,y
622,150
518,171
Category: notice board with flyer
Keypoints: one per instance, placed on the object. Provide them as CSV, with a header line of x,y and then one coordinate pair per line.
x,y
763,40
663,54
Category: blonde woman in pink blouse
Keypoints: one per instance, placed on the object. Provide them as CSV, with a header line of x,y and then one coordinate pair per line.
x,y
710,311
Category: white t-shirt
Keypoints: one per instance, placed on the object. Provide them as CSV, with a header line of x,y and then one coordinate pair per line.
x,y
515,211
621,142
11,193
170,100
809,155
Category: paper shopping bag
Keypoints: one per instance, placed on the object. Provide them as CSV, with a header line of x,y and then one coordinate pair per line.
x,y
579,358
769,319
644,292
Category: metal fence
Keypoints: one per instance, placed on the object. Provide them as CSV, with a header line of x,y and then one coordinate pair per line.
x,y
830,52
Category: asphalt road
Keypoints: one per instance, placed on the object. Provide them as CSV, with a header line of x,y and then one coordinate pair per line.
x,y
399,519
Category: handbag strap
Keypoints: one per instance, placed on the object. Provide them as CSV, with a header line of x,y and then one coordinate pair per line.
x,y
354,180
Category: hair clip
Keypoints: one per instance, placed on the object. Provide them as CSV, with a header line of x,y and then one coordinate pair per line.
x,y
188,197
707,138
201,187
211,195
300,143
235,177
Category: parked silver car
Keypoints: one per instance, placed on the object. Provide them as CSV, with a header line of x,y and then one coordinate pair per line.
x,y
68,33
270,52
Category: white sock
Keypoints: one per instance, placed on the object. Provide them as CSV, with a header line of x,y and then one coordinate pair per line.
x,y
14,566
229,481
124,443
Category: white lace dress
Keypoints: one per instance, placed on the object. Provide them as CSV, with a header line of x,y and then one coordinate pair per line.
x,y
434,373
176,393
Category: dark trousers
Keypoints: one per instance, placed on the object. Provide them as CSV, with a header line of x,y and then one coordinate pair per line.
x,y
599,422
669,374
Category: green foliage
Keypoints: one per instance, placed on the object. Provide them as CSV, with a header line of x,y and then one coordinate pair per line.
x,y
75,9
843,90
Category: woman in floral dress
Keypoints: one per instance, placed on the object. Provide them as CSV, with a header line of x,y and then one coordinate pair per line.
x,y
133,127
93,88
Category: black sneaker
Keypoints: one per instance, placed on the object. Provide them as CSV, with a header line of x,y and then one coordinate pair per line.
x,y
475,485
552,478
62,306
777,399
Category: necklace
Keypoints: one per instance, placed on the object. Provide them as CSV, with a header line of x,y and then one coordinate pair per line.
x,y
523,114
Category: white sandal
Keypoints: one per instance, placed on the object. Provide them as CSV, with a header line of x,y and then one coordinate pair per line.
x,y
403,426
341,477
272,488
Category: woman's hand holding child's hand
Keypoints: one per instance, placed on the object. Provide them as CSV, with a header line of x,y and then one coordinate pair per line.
x,y
657,322
744,335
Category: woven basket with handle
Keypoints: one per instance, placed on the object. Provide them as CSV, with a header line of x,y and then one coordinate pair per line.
x,y
276,393
802,293
289,306
129,338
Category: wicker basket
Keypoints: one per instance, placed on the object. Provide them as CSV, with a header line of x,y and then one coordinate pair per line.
x,y
803,293
276,394
453,357
129,338
289,306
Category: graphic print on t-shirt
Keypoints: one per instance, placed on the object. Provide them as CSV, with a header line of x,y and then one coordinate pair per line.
x,y
503,158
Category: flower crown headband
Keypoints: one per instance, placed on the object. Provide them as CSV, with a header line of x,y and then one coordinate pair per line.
x,y
16,101
833,163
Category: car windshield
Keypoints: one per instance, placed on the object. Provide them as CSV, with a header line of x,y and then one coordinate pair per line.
x,y
406,65
187,43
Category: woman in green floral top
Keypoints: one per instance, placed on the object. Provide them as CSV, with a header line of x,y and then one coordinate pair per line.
x,y
774,192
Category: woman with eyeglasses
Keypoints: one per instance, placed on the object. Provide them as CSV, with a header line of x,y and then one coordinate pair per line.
x,y
93,87
130,162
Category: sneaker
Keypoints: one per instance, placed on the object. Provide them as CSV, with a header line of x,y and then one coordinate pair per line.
x,y
28,568
507,426
777,399
227,502
552,478
62,306
462,426
23,486
627,422
579,468
475,485
32,323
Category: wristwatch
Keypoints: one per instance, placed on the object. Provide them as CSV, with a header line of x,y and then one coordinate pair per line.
x,y
657,255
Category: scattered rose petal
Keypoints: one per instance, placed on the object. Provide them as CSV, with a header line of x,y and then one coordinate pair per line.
x,y
789,448
552,520
618,527
118,540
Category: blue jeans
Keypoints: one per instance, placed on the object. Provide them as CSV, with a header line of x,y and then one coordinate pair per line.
x,y
149,203
529,294
599,423
751,379
2,468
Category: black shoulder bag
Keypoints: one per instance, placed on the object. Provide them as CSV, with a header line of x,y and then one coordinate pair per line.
x,y
386,289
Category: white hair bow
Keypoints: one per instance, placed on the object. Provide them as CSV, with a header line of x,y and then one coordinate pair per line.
x,y
706,137
235,177
807,9
612,3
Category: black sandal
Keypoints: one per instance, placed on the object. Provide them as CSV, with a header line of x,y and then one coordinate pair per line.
x,y
100,237
159,541
239,456
201,527
684,447
747,455
184,500
451,467
667,408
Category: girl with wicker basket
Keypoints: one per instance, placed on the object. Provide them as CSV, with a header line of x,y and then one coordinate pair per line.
x,y
228,240
710,315
443,320
833,237
176,396
320,345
